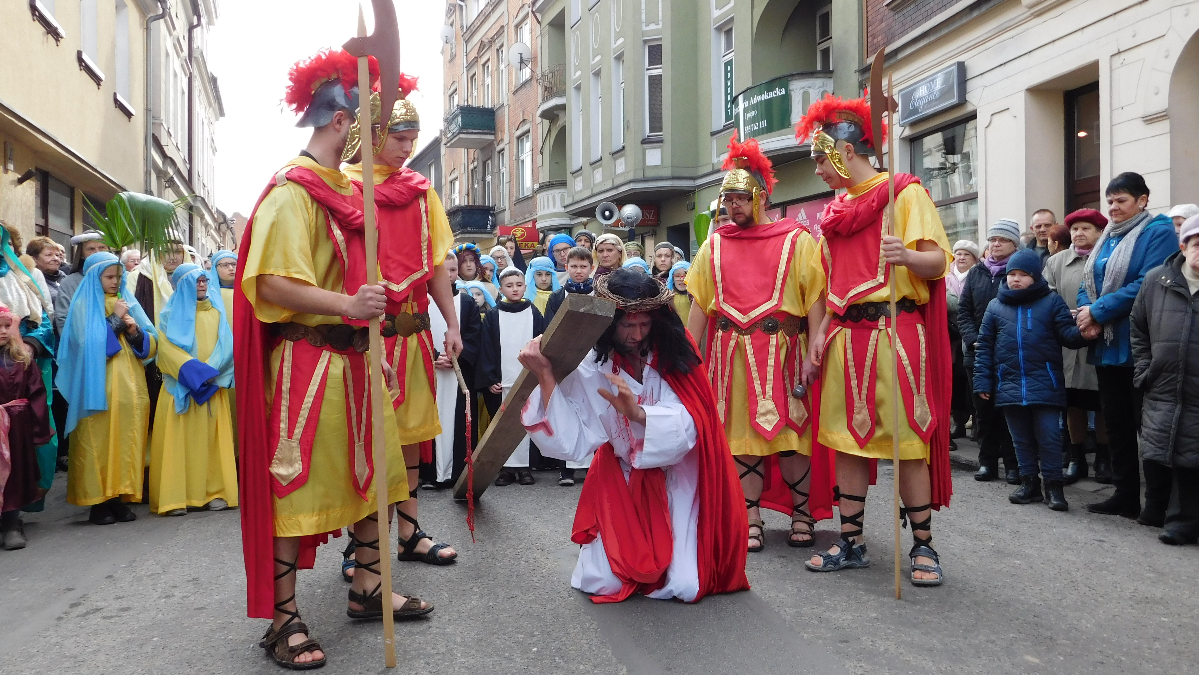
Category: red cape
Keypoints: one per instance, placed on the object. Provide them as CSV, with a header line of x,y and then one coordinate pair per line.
x,y
630,517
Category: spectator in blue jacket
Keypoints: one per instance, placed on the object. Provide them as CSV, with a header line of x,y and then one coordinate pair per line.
x,y
1134,243
1019,366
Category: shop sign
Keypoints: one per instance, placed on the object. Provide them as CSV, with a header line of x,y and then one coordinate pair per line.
x,y
764,109
526,235
649,215
940,91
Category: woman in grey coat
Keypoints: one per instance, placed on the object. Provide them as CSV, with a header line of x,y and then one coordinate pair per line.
x,y
1064,274
1163,328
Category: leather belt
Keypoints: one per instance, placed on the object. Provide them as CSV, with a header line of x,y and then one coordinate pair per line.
x,y
790,325
339,336
404,324
874,311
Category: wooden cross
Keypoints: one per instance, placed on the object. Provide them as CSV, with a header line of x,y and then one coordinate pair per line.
x,y
579,322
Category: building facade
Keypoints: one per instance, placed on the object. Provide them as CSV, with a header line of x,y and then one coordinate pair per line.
x,y
490,135
428,162
1010,106
72,102
653,91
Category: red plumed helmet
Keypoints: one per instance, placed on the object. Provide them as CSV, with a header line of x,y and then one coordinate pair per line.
x,y
308,75
833,109
750,157
408,84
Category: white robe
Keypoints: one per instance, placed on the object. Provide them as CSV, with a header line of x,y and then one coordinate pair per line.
x,y
577,421
446,394
516,330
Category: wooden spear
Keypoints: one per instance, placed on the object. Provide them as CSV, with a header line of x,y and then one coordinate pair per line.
x,y
384,44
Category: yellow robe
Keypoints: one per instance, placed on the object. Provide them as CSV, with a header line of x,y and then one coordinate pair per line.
x,y
108,449
916,220
541,299
805,283
417,417
191,455
291,239
227,297
682,304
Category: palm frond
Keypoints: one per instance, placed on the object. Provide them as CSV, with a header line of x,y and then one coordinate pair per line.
x,y
145,222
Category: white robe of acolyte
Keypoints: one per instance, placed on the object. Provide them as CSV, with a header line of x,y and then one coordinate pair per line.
x,y
516,330
446,393
577,421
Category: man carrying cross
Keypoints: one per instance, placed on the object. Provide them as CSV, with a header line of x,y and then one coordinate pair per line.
x,y
660,513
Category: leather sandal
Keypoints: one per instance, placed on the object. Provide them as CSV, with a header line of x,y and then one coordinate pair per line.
x,y
274,641
759,536
408,547
921,548
801,516
756,536
372,602
348,561
849,554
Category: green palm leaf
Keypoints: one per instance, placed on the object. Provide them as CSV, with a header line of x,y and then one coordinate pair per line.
x,y
144,222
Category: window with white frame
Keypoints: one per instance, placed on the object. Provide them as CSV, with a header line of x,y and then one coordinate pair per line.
x,y
488,195
576,10
473,89
452,100
524,165
473,185
596,103
487,85
89,31
825,39
618,102
654,89
501,75
576,127
454,192
502,191
523,37
121,43
726,42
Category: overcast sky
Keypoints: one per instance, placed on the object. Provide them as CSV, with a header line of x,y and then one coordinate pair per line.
x,y
250,50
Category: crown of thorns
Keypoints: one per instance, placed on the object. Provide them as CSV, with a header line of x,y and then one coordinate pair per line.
x,y
664,296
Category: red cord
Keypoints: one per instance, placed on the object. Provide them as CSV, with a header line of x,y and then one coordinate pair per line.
x,y
470,473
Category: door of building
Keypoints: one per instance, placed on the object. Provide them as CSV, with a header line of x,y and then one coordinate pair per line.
x,y
1082,108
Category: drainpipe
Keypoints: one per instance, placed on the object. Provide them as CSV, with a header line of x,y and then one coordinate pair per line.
x,y
165,6
191,113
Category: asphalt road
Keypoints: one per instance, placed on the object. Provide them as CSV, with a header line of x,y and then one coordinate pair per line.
x,y
1028,590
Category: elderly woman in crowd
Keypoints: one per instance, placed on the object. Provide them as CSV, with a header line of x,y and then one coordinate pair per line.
x,y
1134,243
1064,274
966,256
48,258
609,253
1181,212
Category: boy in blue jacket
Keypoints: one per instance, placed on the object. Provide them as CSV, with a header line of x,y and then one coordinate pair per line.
x,y
1018,364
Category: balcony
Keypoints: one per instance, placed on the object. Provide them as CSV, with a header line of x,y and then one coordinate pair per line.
x,y
777,133
553,81
551,198
472,221
470,127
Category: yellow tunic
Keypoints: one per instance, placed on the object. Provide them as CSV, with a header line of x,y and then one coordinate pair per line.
x,y
227,297
541,299
191,455
805,283
291,239
683,305
916,220
108,449
417,416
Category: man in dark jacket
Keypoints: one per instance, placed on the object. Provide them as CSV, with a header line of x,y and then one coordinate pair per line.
x,y
979,288
1164,345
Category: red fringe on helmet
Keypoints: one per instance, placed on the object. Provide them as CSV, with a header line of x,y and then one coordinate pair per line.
x,y
408,84
748,156
826,111
308,75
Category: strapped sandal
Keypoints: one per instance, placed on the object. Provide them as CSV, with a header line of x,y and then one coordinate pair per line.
x,y
756,536
801,515
849,555
348,560
372,602
408,547
274,641
921,548
755,468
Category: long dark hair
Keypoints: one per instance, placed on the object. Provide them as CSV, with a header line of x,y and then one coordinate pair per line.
x,y
667,334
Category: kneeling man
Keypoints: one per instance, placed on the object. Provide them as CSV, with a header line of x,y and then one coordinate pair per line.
x,y
661,511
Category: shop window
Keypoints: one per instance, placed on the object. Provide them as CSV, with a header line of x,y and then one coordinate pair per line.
x,y
1082,107
944,160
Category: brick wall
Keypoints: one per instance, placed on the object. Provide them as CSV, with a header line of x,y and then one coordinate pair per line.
x,y
886,25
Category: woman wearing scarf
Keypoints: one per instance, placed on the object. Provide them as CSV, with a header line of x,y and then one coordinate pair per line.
x,y
1064,275
1133,243
105,338
664,257
500,255
609,253
966,256
637,263
224,269
487,269
556,250
191,450
678,283
979,288
539,293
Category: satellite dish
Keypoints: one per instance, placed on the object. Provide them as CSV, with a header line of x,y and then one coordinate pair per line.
x,y
607,213
631,215
447,34
519,55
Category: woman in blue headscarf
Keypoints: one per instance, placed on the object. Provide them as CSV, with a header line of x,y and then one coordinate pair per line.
x,y
638,263
677,280
100,374
224,269
541,280
191,450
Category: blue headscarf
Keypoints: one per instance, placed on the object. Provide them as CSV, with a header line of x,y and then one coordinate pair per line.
x,y
214,281
487,260
637,262
178,324
681,265
487,295
540,264
85,349
560,238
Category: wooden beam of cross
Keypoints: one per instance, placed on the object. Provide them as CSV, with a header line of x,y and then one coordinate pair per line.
x,y
580,321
